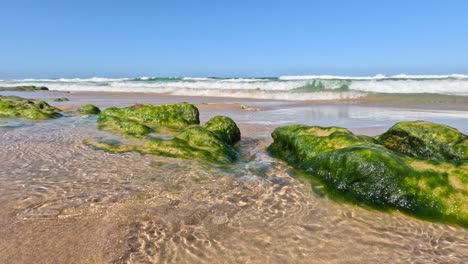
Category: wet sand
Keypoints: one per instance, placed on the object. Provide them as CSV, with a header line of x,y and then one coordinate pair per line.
x,y
62,202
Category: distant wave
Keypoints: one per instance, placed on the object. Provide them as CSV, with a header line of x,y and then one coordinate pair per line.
x,y
70,80
376,77
306,87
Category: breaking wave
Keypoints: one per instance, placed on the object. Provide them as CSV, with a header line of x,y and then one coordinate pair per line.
x,y
308,87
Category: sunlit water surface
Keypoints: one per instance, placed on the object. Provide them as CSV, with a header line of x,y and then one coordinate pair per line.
x,y
63,202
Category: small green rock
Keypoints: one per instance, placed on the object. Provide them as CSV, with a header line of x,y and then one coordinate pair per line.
x,y
61,99
225,128
89,109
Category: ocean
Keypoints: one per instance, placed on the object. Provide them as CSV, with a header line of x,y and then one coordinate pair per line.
x,y
295,88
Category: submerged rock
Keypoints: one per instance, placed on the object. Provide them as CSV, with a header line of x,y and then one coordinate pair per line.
x,y
24,88
363,170
248,108
61,99
89,109
14,106
150,126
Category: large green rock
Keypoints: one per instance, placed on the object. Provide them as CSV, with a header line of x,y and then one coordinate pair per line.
x,y
14,106
359,169
139,120
171,130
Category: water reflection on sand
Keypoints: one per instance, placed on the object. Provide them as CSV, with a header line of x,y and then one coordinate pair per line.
x,y
62,202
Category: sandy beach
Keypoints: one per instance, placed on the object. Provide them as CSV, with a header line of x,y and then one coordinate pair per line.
x,y
63,202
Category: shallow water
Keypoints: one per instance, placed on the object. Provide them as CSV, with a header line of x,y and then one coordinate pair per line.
x,y
63,202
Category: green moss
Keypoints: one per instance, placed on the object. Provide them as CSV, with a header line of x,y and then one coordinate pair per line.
x,y
89,109
426,140
155,118
61,99
24,88
192,143
224,128
358,169
13,106
125,126
215,141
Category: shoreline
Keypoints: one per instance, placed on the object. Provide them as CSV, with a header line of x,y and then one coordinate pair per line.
x,y
426,101
272,113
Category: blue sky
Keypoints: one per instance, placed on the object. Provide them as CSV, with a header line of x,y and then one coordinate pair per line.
x,y
50,39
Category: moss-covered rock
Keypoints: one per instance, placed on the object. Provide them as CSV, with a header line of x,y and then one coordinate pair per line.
x,y
124,126
14,106
89,109
224,128
61,99
426,140
192,143
171,130
24,88
140,120
359,169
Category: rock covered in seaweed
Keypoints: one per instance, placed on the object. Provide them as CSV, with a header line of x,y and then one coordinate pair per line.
x,y
89,109
139,120
14,106
61,99
360,169
215,141
224,128
426,140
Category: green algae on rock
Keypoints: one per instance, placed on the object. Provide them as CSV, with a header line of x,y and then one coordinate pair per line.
x,y
14,106
359,169
426,140
89,109
224,128
214,141
139,120
24,88
61,99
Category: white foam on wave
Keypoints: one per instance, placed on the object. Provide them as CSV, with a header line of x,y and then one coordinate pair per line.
x,y
233,80
376,77
312,86
188,89
220,84
72,80
328,77
450,76
272,95
195,79
442,86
